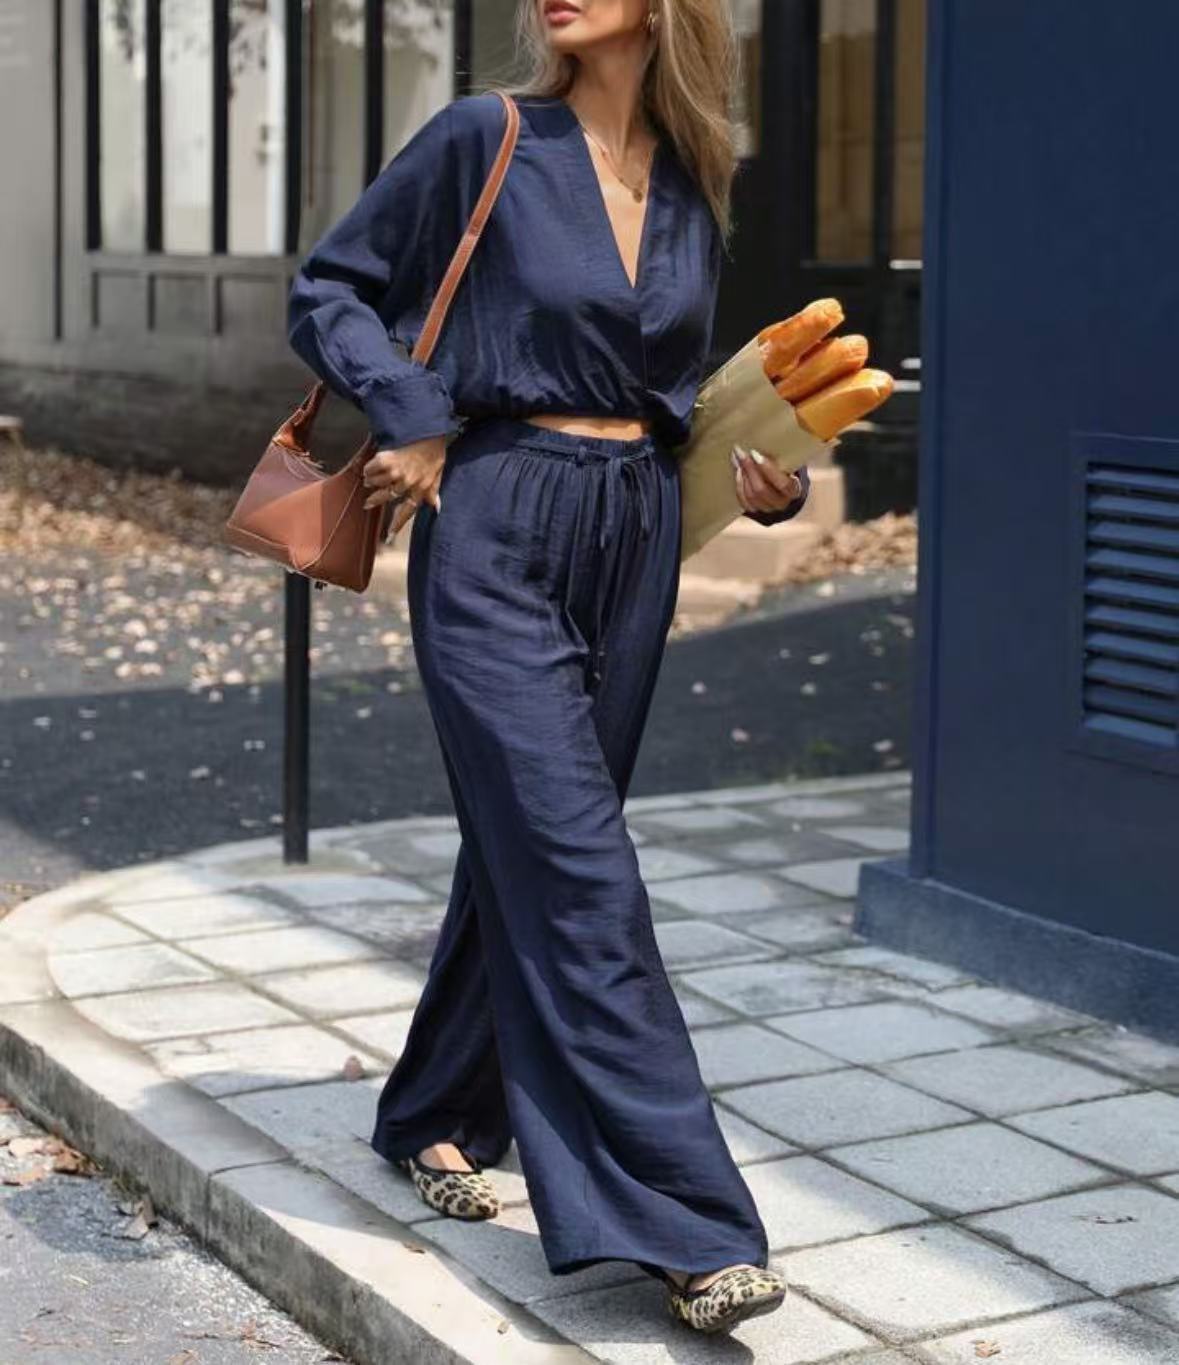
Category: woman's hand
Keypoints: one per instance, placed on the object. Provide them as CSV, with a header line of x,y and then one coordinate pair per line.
x,y
761,485
412,472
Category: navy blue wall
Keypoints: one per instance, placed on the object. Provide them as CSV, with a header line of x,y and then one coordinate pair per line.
x,y
1050,347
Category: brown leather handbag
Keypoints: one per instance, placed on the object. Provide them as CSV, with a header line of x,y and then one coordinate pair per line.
x,y
315,523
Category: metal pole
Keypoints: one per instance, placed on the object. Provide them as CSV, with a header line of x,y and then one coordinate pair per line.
x,y
297,717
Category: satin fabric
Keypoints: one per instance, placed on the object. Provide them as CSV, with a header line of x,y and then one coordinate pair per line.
x,y
545,319
540,600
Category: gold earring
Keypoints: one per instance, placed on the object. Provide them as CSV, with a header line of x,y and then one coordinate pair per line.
x,y
652,20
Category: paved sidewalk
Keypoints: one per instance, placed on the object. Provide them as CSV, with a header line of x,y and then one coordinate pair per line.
x,y
948,1172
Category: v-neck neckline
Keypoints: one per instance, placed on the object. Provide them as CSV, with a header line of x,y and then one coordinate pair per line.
x,y
586,160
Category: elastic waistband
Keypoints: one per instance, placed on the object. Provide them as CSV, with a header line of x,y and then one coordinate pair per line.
x,y
518,432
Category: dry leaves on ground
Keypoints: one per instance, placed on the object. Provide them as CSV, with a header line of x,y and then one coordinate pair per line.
x,y
142,1217
50,499
61,1157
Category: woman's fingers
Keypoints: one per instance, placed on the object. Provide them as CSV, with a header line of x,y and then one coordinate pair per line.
x,y
767,488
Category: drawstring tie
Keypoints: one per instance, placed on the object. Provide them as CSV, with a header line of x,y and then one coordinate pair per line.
x,y
615,467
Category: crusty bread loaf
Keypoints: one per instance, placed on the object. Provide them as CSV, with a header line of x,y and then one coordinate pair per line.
x,y
827,412
784,343
825,363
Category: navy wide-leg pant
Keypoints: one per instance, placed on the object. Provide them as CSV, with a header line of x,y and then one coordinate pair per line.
x,y
540,599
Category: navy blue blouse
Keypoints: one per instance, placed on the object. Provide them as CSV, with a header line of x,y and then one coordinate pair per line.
x,y
545,319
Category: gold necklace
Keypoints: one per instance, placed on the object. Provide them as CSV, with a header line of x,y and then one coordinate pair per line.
x,y
635,190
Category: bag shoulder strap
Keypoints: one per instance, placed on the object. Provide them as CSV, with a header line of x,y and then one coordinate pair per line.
x,y
479,215
298,425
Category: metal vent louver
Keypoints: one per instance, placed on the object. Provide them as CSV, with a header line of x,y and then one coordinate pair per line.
x,y
1131,611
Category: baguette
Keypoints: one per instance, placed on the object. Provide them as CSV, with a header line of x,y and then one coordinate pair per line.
x,y
783,343
827,412
823,364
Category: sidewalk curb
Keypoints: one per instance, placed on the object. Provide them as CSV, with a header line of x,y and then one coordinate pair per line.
x,y
356,1278
362,1281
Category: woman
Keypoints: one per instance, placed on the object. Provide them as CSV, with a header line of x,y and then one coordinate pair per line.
x,y
540,601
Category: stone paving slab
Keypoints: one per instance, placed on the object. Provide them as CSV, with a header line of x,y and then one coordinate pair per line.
x,y
189,916
804,1201
840,1106
832,876
735,1054
258,1059
686,943
627,1325
848,1083
140,966
1119,1050
1130,1236
920,1281
1085,1334
1135,1133
1008,1010
805,929
773,987
885,1032
1162,1304
1005,1080
963,1170
182,1011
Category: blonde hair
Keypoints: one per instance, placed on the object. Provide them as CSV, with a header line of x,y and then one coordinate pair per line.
x,y
686,87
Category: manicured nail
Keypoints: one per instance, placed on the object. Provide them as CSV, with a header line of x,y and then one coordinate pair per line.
x,y
758,456
733,460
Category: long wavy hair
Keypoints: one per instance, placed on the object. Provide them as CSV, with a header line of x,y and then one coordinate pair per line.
x,y
686,90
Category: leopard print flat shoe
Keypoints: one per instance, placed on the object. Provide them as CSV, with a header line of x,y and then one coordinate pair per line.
x,y
745,1291
457,1194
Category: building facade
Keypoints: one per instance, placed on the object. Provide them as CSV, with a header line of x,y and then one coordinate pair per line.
x,y
167,162
1044,851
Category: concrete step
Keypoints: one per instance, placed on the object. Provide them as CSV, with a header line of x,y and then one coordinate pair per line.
x,y
754,553
826,506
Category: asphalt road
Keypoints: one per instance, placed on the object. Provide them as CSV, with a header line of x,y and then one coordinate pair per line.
x,y
79,1287
141,706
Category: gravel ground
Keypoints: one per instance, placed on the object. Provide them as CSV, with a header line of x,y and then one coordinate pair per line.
x,y
90,1275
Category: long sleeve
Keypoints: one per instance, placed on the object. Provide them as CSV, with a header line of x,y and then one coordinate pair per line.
x,y
382,259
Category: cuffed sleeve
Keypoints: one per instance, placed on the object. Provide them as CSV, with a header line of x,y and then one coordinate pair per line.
x,y
791,509
382,259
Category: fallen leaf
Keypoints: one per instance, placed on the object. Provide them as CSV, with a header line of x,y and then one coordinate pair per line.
x,y
144,1218
353,1068
26,1146
502,1326
72,1162
135,1230
985,1349
29,1177
415,1248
